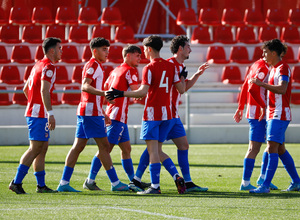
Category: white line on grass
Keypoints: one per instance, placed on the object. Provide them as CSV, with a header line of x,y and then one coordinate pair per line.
x,y
103,207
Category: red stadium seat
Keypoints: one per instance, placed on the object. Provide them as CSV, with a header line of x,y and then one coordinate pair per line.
x,y
62,75
3,55
295,97
101,31
27,72
275,17
3,17
70,54
125,34
21,54
32,34
267,33
232,17
290,34
19,98
56,31
294,16
187,17
245,34
239,54
42,16
65,15
253,17
111,16
77,74
39,53
19,16
115,54
216,54
4,97
10,75
78,34
70,98
257,54
86,54
88,16
289,57
209,17
201,35
223,34
231,75
296,74
9,34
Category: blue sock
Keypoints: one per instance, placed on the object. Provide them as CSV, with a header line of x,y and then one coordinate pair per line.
x,y
264,163
40,178
128,167
143,164
170,166
112,175
155,172
183,161
95,167
67,173
289,165
248,168
21,173
271,169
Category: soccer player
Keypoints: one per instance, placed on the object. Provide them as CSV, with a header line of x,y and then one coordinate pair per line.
x,y
180,49
91,119
124,77
39,116
158,77
255,97
278,115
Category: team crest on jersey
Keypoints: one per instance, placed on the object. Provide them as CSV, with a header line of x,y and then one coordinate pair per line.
x,y
134,78
90,71
49,73
261,75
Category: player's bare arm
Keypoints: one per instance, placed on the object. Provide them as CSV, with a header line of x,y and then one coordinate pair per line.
x,y
86,87
278,89
25,89
45,88
191,82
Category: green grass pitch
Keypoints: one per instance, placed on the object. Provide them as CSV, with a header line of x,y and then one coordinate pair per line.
x,y
218,167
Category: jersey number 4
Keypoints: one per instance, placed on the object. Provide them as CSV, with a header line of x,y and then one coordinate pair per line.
x,y
164,81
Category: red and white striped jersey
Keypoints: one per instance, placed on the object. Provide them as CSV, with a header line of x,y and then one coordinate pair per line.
x,y
159,75
175,95
121,78
279,104
91,105
252,94
42,70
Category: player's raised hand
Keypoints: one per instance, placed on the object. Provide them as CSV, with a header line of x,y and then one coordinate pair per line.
x,y
114,93
202,68
238,116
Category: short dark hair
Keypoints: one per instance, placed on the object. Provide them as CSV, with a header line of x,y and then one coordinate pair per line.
x,y
276,45
178,41
49,43
154,41
98,42
131,49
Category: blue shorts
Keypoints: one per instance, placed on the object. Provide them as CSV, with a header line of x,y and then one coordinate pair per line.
x,y
156,130
276,130
257,130
38,129
117,132
90,127
177,131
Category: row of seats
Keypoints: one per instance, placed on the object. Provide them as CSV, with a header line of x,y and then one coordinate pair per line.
x,y
78,33
244,34
22,54
215,54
